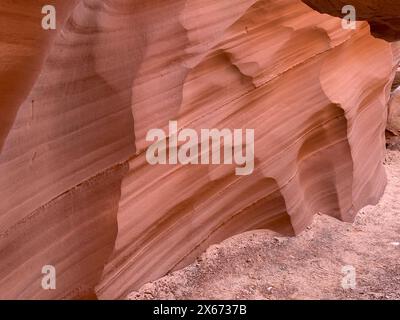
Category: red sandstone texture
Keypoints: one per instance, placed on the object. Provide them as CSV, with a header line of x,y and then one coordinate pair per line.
x,y
264,265
76,104
382,15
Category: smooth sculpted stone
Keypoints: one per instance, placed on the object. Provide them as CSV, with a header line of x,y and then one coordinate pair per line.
x,y
382,15
77,103
24,45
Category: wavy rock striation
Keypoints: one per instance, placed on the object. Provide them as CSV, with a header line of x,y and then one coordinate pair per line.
x,y
382,15
24,46
301,82
76,189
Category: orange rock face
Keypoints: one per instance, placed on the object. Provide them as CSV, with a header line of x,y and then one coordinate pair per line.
x,y
76,189
382,15
24,46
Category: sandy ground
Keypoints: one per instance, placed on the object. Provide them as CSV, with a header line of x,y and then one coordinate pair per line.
x,y
264,265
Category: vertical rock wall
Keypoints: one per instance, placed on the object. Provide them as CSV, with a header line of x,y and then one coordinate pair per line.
x,y
76,189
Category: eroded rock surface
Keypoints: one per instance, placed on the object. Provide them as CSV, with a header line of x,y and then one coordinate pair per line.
x,y
76,189
24,46
382,15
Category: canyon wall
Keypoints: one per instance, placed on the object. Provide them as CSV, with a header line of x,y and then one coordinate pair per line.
x,y
24,45
76,189
382,15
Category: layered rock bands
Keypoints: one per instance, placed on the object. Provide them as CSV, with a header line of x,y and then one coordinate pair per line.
x,y
76,104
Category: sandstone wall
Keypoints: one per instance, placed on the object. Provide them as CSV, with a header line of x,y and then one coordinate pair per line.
x,y
76,190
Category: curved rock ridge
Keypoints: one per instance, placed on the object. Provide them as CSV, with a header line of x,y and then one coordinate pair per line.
x,y
298,79
63,157
382,15
76,189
